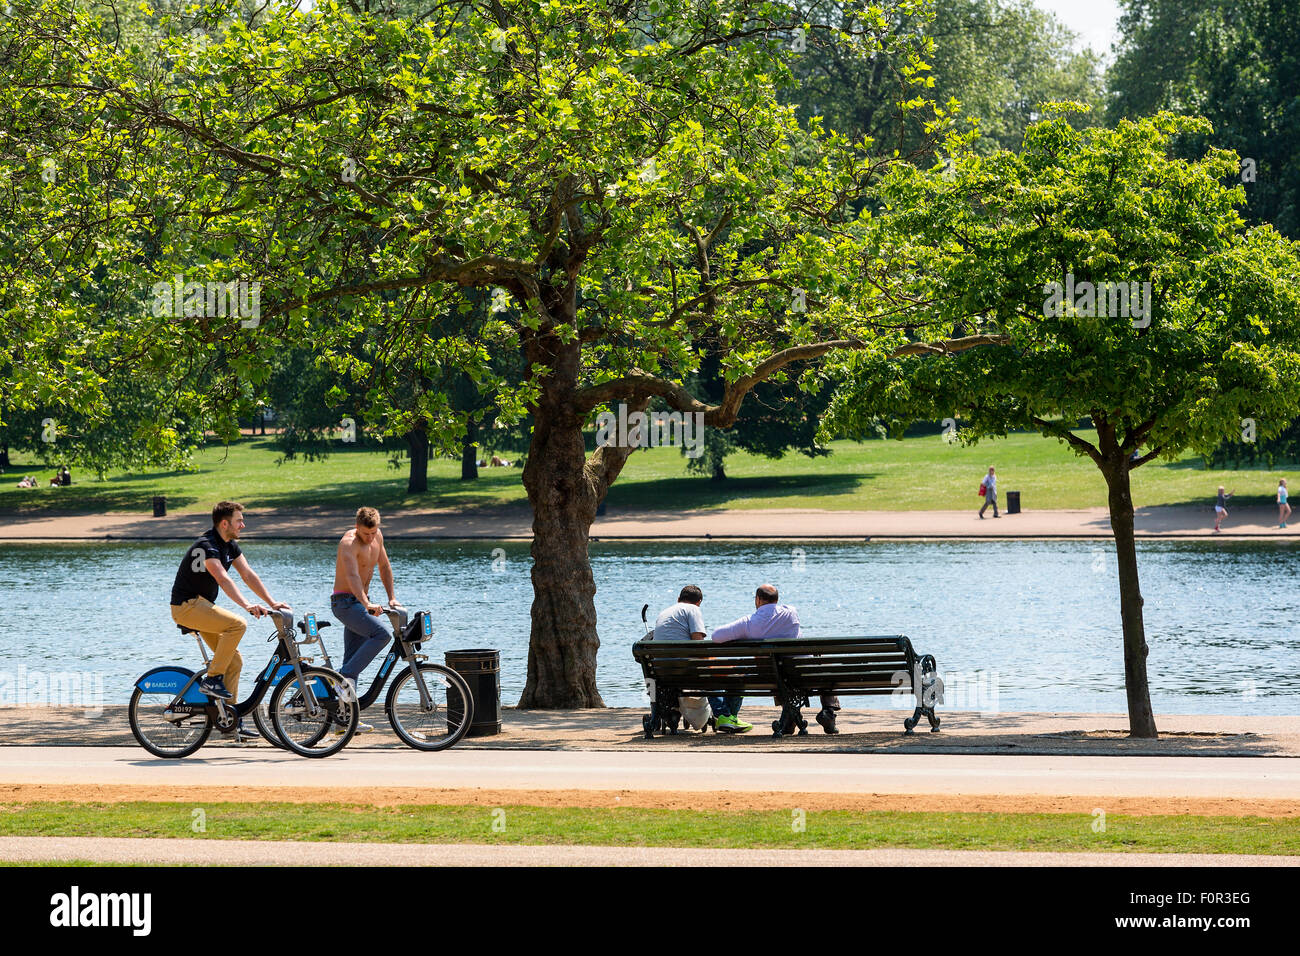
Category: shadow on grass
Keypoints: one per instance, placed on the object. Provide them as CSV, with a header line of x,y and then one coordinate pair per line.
x,y
20,502
493,490
689,493
490,491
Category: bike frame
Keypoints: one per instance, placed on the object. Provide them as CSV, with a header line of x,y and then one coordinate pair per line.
x,y
285,654
405,647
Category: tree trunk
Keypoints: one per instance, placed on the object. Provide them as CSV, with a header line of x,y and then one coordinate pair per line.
x,y
4,456
719,474
564,486
563,644
469,452
418,443
1141,719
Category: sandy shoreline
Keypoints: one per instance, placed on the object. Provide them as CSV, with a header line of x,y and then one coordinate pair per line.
x,y
781,524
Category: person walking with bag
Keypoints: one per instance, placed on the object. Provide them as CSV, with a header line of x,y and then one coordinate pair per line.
x,y
989,490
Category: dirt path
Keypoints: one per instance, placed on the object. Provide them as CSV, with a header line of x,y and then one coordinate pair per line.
x,y
792,524
710,800
280,853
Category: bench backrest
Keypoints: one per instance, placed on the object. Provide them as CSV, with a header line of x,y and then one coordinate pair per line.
x,y
850,665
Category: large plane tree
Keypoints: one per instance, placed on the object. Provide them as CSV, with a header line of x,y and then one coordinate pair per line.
x,y
619,177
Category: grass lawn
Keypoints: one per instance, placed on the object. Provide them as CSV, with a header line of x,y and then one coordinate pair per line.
x,y
639,827
922,473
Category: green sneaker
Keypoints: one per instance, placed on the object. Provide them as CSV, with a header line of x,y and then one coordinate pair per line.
x,y
741,726
726,725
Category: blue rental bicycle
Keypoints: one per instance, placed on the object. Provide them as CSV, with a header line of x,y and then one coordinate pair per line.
x,y
429,706
171,718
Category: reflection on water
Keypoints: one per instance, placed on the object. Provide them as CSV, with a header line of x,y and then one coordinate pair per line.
x,y
1019,625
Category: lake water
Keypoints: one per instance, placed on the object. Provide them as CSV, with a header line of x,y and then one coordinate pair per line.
x,y
1015,625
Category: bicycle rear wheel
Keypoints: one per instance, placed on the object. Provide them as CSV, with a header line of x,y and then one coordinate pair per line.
x,y
262,720
444,721
319,730
172,738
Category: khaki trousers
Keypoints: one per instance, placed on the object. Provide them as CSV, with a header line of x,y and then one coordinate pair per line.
x,y
221,630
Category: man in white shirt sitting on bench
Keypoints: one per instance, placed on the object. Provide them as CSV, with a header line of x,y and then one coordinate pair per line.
x,y
684,621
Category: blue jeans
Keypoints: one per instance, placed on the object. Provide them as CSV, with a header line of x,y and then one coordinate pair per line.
x,y
725,706
364,635
730,706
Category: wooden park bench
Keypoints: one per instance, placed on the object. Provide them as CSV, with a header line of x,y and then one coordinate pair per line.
x,y
790,671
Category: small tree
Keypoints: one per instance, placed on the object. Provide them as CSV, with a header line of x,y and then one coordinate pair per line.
x,y
1056,248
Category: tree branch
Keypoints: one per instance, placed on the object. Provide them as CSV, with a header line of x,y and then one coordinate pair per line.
x,y
636,384
1139,462
1134,438
1059,430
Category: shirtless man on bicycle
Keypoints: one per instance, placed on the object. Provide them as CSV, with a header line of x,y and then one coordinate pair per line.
x,y
364,632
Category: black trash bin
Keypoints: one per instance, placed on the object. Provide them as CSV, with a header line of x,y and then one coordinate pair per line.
x,y
1013,502
481,668
160,507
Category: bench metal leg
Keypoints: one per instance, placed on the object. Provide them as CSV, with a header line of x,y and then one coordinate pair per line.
x,y
791,717
654,723
662,719
928,713
912,721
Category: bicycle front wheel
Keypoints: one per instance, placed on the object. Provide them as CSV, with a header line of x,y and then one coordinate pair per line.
x,y
438,722
314,716
163,733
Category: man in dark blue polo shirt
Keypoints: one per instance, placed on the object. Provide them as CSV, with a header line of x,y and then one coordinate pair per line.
x,y
202,573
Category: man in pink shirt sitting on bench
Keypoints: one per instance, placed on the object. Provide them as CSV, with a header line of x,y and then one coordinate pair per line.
x,y
771,621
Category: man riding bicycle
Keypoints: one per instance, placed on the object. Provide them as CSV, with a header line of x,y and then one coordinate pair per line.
x,y
202,573
365,634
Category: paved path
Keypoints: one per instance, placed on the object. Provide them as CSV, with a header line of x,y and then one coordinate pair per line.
x,y
252,853
861,731
1132,776
794,524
